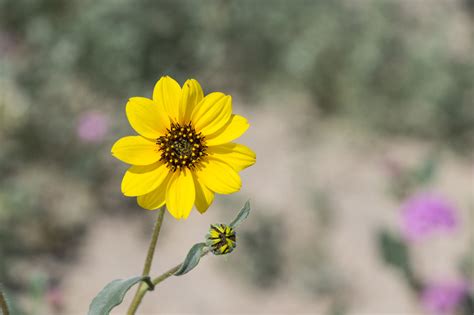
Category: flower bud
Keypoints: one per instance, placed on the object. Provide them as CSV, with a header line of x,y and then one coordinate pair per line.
x,y
221,239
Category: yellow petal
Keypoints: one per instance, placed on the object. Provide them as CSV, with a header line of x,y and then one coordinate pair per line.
x,y
167,93
140,180
156,198
234,128
180,194
236,155
218,176
191,95
146,117
212,113
136,150
204,196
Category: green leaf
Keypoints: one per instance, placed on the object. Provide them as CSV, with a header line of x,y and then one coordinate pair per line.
x,y
192,259
426,171
243,214
112,295
394,251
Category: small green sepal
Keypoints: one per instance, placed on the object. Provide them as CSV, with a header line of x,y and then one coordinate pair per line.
x,y
243,214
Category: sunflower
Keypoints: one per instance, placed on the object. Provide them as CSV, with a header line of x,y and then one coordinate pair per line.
x,y
183,152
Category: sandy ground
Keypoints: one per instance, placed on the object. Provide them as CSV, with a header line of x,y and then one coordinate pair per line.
x,y
294,160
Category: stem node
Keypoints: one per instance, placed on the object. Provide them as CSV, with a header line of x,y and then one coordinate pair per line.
x,y
150,284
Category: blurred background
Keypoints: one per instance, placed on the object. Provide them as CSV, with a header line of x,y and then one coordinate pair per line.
x,y
362,117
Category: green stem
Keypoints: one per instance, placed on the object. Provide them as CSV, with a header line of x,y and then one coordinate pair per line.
x,y
144,289
148,261
3,304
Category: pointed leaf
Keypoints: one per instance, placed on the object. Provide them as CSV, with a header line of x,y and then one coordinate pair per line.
x,y
112,295
243,214
192,259
393,250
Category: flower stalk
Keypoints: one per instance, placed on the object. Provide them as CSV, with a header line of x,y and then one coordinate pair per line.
x,y
172,271
148,261
221,240
142,290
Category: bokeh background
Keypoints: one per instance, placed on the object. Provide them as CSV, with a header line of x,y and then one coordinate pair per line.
x,y
362,117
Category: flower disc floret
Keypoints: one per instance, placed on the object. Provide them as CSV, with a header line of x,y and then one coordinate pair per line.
x,y
181,147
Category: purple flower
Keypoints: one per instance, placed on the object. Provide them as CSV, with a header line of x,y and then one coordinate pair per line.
x,y
92,126
425,213
443,298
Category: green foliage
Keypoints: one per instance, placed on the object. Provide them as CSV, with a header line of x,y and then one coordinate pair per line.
x,y
261,258
192,259
407,180
394,251
112,295
378,63
426,171
467,305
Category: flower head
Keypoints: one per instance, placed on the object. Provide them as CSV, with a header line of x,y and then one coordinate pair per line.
x,y
221,239
183,154
443,298
425,214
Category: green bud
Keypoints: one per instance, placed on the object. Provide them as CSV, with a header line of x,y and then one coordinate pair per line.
x,y
221,239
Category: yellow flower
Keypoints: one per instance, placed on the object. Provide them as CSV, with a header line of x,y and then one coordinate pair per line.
x,y
183,153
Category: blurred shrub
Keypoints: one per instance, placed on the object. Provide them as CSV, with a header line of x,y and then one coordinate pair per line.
x,y
262,258
385,65
382,62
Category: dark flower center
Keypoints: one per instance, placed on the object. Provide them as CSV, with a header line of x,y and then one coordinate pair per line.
x,y
181,147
